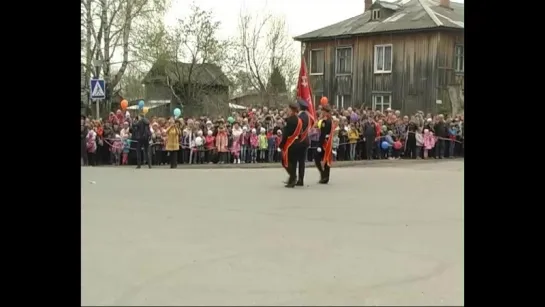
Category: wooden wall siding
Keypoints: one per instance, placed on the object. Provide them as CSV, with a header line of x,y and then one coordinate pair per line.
x,y
415,78
447,75
343,85
317,84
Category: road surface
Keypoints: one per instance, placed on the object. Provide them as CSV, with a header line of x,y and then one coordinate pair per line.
x,y
390,235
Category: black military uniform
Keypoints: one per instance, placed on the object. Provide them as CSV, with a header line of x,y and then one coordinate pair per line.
x,y
141,134
325,150
304,141
290,137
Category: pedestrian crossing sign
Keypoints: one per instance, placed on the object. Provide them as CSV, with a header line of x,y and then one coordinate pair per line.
x,y
98,89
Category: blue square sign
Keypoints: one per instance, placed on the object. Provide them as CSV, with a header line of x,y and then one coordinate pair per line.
x,y
98,89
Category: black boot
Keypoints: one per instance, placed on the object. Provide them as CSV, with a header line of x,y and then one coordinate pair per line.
x,y
300,182
290,183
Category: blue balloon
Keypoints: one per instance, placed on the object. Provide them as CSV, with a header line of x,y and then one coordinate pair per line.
x,y
177,112
385,145
141,104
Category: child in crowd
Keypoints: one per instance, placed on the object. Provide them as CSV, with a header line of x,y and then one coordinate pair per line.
x,y
390,140
209,145
452,133
126,149
91,141
419,142
222,144
199,146
263,144
271,140
336,142
185,144
254,144
244,144
117,148
157,144
235,149
277,141
429,142
353,136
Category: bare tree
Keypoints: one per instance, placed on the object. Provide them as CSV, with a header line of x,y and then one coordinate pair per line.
x,y
130,86
108,27
265,45
190,59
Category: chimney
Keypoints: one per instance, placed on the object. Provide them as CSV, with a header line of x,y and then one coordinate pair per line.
x,y
368,4
445,3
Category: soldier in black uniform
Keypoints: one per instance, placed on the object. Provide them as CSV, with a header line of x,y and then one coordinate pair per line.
x,y
304,141
288,146
324,153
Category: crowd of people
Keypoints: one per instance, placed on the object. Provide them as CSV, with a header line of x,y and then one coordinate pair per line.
x,y
253,135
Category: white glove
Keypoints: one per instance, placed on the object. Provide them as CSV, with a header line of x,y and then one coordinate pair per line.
x,y
279,149
334,153
319,149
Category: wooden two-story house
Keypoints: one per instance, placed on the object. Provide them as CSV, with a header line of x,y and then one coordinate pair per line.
x,y
407,55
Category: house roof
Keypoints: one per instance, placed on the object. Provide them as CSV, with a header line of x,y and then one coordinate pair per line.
x,y
207,73
407,15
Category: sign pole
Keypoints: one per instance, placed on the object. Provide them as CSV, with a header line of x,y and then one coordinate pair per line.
x,y
98,108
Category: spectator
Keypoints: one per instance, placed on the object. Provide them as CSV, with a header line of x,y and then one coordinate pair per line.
x,y
221,144
209,144
419,140
353,137
254,145
429,142
370,127
235,149
263,144
173,142
91,144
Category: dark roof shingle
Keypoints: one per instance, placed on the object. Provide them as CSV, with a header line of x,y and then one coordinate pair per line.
x,y
408,15
209,74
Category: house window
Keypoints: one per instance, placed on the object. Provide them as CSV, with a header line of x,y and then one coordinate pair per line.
x,y
317,99
317,62
376,15
382,102
459,56
344,60
383,58
342,101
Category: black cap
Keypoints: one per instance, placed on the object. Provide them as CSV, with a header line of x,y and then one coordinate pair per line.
x,y
326,108
294,106
302,104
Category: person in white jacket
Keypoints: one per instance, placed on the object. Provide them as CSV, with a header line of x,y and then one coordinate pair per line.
x,y
419,142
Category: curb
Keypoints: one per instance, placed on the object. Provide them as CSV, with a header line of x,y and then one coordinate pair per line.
x,y
339,164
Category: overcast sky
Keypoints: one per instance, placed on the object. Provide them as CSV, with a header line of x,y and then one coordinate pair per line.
x,y
302,16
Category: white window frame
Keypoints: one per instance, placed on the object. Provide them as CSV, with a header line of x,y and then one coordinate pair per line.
x,y
339,101
459,57
375,58
375,14
310,62
317,98
383,106
337,61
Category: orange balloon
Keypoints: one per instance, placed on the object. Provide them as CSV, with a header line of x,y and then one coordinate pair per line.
x,y
324,100
124,104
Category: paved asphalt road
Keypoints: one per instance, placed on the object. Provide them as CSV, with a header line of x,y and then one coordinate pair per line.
x,y
374,236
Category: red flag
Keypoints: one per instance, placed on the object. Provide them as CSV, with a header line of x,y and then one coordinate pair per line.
x,y
303,90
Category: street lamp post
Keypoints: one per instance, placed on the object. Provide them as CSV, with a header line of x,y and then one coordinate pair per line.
x,y
98,64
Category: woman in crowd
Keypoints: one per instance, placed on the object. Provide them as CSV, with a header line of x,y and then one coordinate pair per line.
x,y
83,140
242,145
221,144
91,144
173,142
